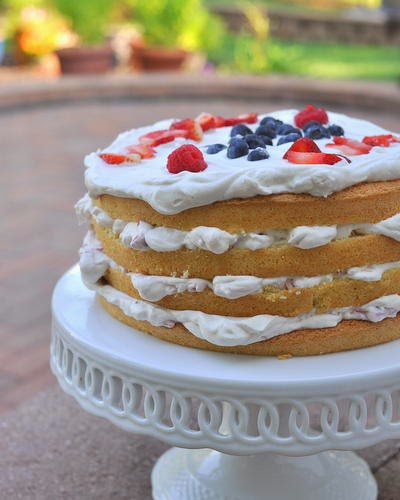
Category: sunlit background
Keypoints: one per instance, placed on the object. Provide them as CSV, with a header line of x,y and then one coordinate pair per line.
x,y
317,38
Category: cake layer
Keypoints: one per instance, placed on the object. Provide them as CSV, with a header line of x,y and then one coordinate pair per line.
x,y
335,294
269,262
349,334
364,203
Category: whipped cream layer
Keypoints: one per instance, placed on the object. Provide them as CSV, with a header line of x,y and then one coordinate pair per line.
x,y
226,179
94,263
233,331
144,236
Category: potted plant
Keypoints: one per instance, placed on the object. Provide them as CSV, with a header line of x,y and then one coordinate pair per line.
x,y
89,20
172,29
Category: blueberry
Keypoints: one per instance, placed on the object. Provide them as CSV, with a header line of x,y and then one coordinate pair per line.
x,y
336,130
240,129
213,149
288,138
271,122
266,131
310,124
237,149
317,132
285,129
267,140
258,154
254,141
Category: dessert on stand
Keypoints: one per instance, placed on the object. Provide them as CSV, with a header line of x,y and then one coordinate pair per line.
x,y
257,240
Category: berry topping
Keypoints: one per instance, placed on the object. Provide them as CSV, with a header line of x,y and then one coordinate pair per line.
x,y
309,113
213,149
380,140
271,122
317,131
258,154
113,159
303,145
336,130
266,131
285,129
206,121
255,141
158,137
143,150
193,128
313,158
237,148
186,157
240,129
288,138
349,146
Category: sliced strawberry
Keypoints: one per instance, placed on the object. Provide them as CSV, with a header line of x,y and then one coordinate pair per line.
x,y
349,146
248,118
193,128
310,113
303,145
143,150
114,159
158,137
206,121
380,140
219,121
313,158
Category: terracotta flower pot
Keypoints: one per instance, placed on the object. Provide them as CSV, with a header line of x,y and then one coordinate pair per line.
x,y
87,60
157,58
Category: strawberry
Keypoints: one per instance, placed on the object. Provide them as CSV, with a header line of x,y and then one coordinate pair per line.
x,y
143,150
219,121
158,137
349,146
380,140
186,157
193,128
303,145
310,113
114,159
248,118
206,121
313,158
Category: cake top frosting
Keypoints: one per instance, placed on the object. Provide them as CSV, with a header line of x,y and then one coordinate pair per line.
x,y
226,178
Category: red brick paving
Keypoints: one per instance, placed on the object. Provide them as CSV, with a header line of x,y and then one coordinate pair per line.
x,y
41,178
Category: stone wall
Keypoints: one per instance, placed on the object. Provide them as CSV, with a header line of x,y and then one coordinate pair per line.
x,y
372,28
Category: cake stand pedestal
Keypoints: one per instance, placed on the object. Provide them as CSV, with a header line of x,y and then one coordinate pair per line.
x,y
246,428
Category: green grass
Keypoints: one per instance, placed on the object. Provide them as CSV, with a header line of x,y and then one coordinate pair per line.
x,y
322,60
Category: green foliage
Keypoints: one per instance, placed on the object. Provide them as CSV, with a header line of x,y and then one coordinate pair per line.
x,y
89,18
177,23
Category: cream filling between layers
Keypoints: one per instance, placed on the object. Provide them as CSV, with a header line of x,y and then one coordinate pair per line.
x,y
143,236
233,331
94,263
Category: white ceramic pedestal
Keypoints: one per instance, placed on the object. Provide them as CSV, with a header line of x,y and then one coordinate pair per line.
x,y
247,428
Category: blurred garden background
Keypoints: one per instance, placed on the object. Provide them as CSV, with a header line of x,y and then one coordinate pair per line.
x,y
351,39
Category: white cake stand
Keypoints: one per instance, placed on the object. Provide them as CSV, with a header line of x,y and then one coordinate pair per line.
x,y
247,428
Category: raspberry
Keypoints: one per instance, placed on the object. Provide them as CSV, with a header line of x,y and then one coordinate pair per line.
x,y
310,113
186,157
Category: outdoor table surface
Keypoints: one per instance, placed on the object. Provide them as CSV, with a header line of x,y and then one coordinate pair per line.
x,y
48,447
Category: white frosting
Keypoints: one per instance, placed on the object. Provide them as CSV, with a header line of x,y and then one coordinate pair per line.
x,y
232,331
144,236
94,264
225,179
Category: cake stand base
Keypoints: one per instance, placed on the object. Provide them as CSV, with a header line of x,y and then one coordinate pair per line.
x,y
182,474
